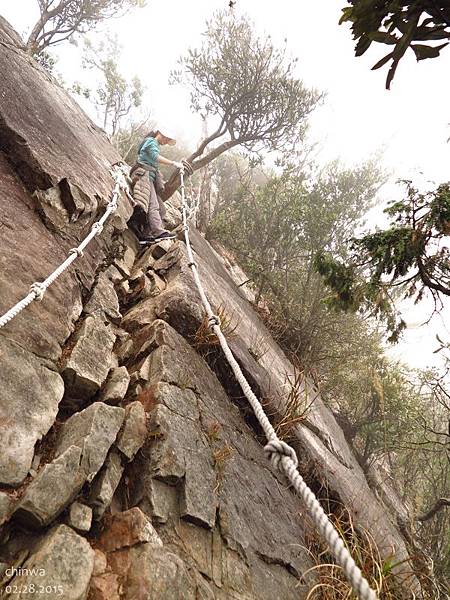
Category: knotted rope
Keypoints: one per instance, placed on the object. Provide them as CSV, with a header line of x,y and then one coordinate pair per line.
x,y
281,455
38,288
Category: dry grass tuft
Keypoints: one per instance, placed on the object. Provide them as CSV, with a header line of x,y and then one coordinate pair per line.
x,y
221,456
259,347
330,582
205,336
213,432
297,404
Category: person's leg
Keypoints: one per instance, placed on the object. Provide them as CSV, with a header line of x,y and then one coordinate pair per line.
x,y
162,208
154,220
159,187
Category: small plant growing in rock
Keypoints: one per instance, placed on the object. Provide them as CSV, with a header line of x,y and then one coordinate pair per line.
x,y
258,347
221,456
213,431
155,434
297,404
204,336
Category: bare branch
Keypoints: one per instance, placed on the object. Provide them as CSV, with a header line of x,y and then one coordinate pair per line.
x,y
439,505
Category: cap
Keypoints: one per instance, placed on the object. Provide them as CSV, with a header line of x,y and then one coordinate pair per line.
x,y
164,132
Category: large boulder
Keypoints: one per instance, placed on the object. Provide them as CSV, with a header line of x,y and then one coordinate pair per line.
x,y
81,451
93,430
87,366
54,487
61,567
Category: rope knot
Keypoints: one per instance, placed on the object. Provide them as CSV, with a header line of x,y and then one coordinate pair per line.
x,y
185,228
76,251
276,449
38,290
97,227
213,320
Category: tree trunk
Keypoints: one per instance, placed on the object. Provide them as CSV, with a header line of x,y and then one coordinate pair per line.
x,y
32,46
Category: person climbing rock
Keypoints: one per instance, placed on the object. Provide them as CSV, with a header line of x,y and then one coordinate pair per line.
x,y
149,158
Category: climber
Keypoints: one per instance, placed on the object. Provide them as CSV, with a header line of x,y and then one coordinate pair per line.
x,y
148,159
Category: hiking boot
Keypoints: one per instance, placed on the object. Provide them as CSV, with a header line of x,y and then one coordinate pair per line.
x,y
146,241
165,235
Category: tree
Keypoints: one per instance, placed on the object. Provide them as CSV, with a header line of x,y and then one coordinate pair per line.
x,y
60,19
276,229
129,137
393,417
406,259
248,87
400,24
115,97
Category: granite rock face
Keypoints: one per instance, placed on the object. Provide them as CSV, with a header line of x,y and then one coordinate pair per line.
x,y
127,529
54,487
105,485
103,300
88,364
29,398
80,516
134,432
115,417
319,437
116,386
92,430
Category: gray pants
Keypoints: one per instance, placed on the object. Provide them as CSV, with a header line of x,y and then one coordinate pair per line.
x,y
147,219
156,212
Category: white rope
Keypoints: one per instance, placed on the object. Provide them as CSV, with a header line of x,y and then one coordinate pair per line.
x,y
38,288
193,207
281,455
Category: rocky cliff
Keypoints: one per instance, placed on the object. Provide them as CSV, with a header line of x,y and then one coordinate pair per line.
x,y
131,466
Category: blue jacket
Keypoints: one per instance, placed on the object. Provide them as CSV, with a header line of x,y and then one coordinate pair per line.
x,y
148,154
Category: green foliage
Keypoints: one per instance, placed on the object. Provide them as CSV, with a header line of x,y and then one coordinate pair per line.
x,y
400,24
60,20
115,97
277,228
406,259
424,466
46,60
341,279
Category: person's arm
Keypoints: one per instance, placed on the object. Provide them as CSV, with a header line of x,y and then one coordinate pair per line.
x,y
166,161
